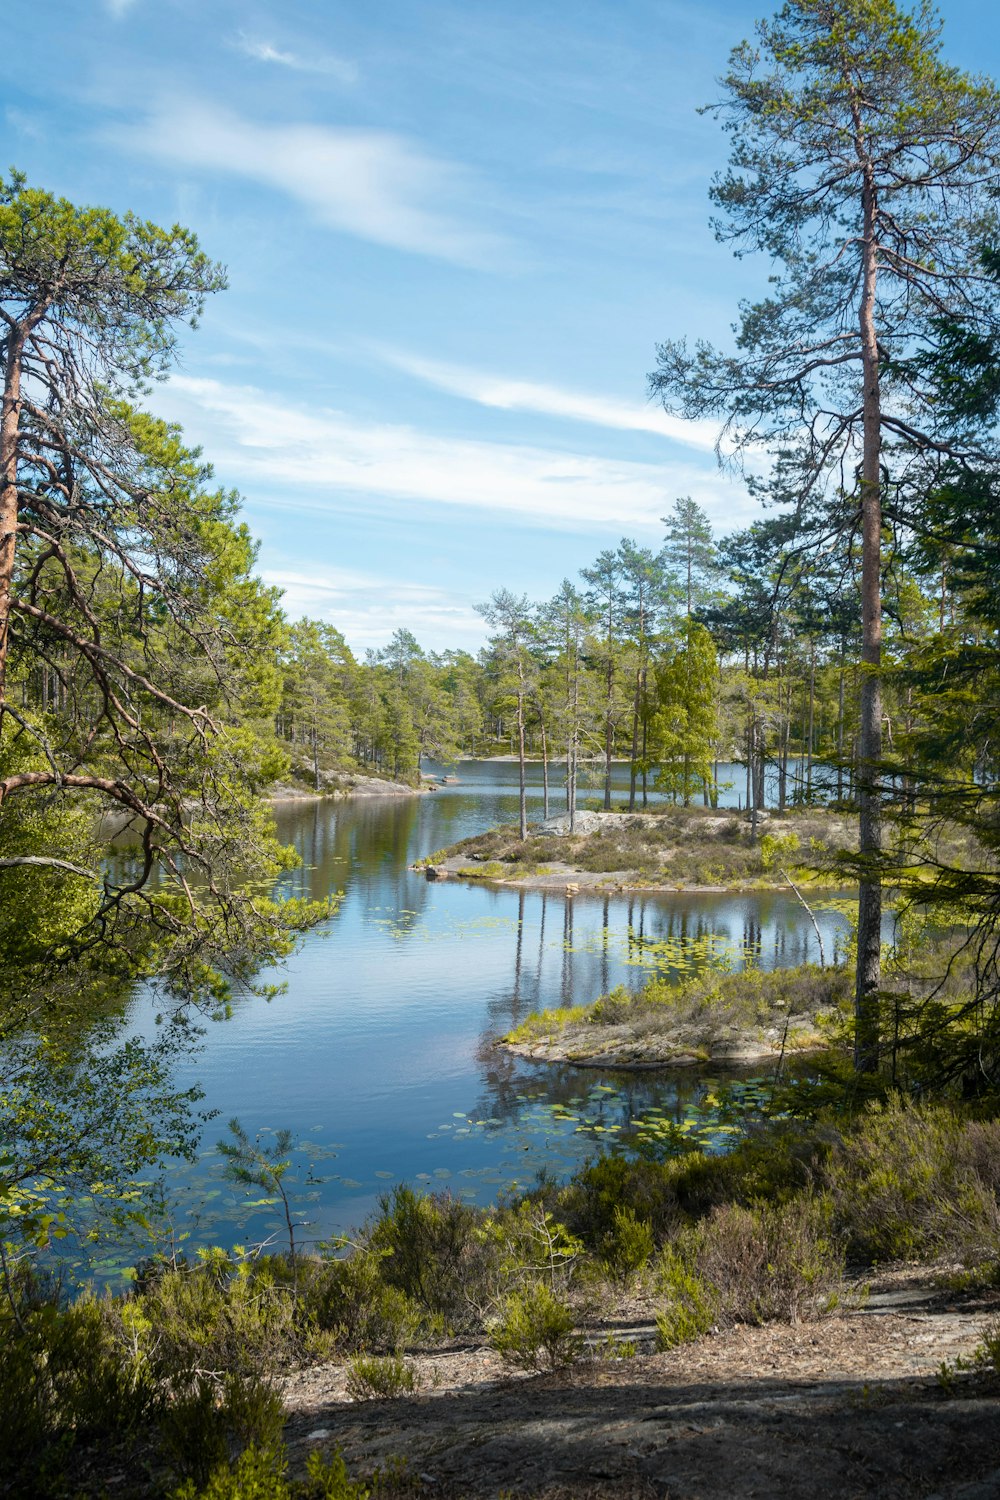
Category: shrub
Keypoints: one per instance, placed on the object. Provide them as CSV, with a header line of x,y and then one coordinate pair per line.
x,y
770,1261
351,1301
380,1377
648,1190
533,1328
912,1180
228,1313
260,1474
521,1245
689,1303
65,1378
628,1246
427,1245
988,1352
210,1417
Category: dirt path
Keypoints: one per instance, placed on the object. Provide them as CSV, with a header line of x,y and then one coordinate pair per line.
x,y
849,1406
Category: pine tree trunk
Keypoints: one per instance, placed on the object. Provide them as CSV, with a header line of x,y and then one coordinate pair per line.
x,y
10,421
545,773
868,976
634,755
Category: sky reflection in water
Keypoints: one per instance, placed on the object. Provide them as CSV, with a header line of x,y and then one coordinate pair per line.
x,y
379,1056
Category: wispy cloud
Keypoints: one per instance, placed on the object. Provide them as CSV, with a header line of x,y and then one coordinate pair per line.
x,y
369,183
309,458
524,395
324,63
24,124
368,608
118,8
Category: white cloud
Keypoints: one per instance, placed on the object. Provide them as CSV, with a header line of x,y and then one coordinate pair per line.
x,y
118,8
369,183
524,395
304,457
25,124
368,608
324,63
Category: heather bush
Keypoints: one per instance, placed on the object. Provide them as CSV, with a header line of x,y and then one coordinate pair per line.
x,y
380,1377
913,1180
534,1328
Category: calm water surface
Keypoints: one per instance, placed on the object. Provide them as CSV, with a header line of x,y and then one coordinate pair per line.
x,y
380,1054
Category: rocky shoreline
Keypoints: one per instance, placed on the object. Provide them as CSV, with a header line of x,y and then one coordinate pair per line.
x,y
342,787
706,851
625,1049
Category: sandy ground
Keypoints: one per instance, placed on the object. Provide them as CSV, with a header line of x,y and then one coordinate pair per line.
x,y
850,1406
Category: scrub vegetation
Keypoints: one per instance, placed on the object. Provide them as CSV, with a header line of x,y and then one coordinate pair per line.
x,y
180,1376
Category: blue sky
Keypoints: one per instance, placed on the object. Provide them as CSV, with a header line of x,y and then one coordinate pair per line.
x,y
454,234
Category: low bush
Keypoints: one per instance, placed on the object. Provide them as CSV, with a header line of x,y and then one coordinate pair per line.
x,y
647,1190
261,1474
230,1312
757,1264
429,1249
211,1417
915,1180
349,1300
534,1328
688,1304
627,1248
380,1377
771,1261
66,1378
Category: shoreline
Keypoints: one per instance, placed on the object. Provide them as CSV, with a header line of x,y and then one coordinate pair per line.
x,y
570,881
356,786
727,1019
673,850
630,1054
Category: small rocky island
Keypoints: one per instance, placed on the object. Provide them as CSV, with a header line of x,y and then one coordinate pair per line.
x,y
671,848
715,1017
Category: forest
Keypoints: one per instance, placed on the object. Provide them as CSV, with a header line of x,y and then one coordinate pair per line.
x,y
843,651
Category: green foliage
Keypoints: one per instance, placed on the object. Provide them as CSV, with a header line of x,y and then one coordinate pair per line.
x,y
689,1305
380,1377
230,1312
988,1353
260,1473
912,1180
69,1375
683,728
350,1300
209,1417
775,847
265,1167
81,1118
646,1191
628,1247
534,1328
524,1244
427,1244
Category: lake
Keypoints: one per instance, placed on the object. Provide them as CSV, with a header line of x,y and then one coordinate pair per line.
x,y
380,1058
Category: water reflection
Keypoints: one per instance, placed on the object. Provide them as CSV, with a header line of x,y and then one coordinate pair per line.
x,y
382,1048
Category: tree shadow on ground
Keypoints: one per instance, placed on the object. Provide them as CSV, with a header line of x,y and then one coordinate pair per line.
x,y
604,1431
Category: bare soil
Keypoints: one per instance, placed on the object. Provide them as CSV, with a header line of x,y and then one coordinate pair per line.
x,y
851,1406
